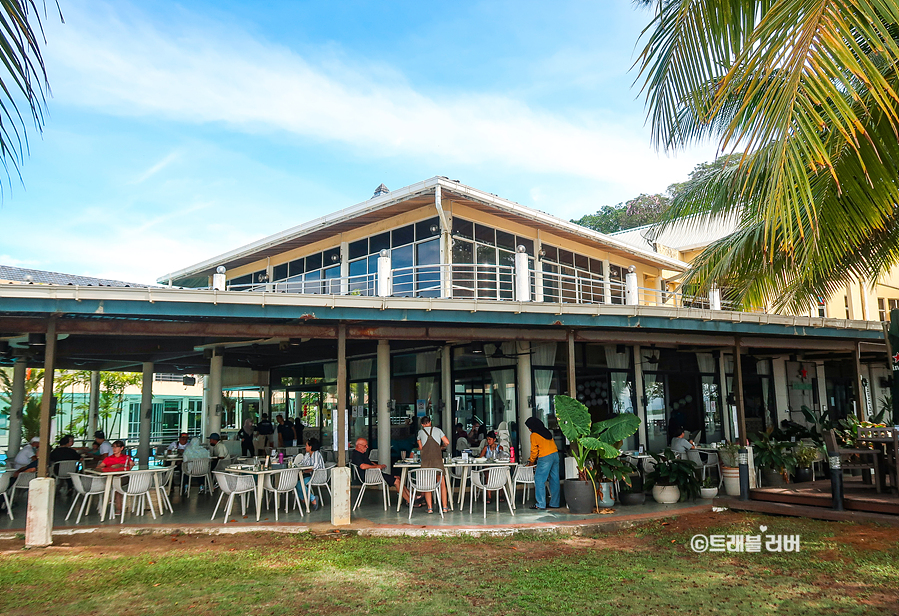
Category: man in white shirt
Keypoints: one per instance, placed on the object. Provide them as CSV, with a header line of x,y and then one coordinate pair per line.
x,y
27,455
217,449
180,444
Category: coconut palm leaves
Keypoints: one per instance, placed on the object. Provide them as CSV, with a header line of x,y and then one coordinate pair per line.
x,y
809,89
25,76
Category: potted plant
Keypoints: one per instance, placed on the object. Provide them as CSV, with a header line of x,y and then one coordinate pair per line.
x,y
730,470
805,456
593,446
672,479
609,471
709,489
631,493
774,458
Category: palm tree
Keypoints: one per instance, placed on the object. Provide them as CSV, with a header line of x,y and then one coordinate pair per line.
x,y
809,91
25,77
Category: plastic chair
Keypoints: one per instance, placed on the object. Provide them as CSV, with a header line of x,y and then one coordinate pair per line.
x,y
321,477
284,482
696,458
4,486
85,486
196,468
524,475
373,455
165,480
234,485
62,470
372,478
22,482
139,486
497,479
425,480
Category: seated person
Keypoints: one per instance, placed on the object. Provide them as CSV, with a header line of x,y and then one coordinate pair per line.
x,y
65,451
680,444
314,459
217,450
491,447
118,460
100,448
180,445
461,440
359,457
26,459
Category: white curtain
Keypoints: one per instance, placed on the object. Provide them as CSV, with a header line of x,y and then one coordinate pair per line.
x,y
763,368
706,362
620,362
360,369
543,355
503,378
330,372
428,387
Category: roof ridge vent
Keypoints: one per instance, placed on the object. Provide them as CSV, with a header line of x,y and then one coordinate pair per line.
x,y
380,190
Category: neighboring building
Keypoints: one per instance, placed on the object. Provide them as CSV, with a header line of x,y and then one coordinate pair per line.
x,y
451,301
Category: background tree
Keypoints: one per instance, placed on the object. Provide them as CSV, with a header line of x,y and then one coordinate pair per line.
x,y
808,89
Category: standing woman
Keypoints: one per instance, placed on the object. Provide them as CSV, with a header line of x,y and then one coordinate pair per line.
x,y
546,456
431,442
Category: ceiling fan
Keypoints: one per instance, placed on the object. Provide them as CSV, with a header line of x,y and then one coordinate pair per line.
x,y
499,354
653,357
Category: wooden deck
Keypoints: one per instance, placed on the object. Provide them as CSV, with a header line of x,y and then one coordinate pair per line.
x,y
813,498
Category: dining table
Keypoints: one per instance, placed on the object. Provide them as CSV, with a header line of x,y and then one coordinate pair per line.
x,y
260,481
466,467
107,488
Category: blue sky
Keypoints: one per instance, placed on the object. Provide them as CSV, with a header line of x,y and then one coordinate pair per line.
x,y
179,131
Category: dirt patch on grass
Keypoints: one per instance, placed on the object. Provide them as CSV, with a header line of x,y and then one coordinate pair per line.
x,y
879,538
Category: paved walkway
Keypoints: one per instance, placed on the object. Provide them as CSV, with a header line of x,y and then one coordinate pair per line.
x,y
193,515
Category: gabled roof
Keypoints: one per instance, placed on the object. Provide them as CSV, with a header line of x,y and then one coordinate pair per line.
x,y
681,236
21,275
404,200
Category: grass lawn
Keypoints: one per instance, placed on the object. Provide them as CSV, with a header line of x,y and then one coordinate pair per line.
x,y
841,569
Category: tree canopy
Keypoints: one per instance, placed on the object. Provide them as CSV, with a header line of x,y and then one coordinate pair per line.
x,y
808,89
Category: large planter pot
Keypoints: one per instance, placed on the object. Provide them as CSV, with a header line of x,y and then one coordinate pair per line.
x,y
580,496
666,494
708,492
772,479
632,498
803,475
731,480
604,494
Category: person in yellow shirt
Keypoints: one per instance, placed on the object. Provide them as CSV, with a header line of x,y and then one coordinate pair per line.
x,y
546,457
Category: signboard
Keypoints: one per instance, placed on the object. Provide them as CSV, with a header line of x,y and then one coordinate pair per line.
x,y
421,407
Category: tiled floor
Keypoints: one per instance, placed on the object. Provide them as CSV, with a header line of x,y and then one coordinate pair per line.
x,y
197,511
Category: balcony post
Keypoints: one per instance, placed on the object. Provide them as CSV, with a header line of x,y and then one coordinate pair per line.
x,y
631,295
522,276
385,275
218,278
714,298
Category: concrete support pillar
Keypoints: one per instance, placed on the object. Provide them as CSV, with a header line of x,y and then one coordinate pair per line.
x,y
265,405
641,397
572,367
607,288
146,414
715,298
525,401
742,437
726,414
17,408
43,452
340,495
860,405
384,444
446,391
341,396
822,387
39,516
93,407
214,397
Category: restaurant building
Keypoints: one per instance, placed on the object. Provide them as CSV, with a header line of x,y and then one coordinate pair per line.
x,y
440,299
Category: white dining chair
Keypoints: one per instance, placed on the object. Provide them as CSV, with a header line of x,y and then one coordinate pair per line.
x,y
497,478
21,484
284,482
372,477
139,486
86,487
425,480
234,485
321,477
196,468
525,476
5,478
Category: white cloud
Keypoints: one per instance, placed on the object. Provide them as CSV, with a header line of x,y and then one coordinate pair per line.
x,y
215,75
